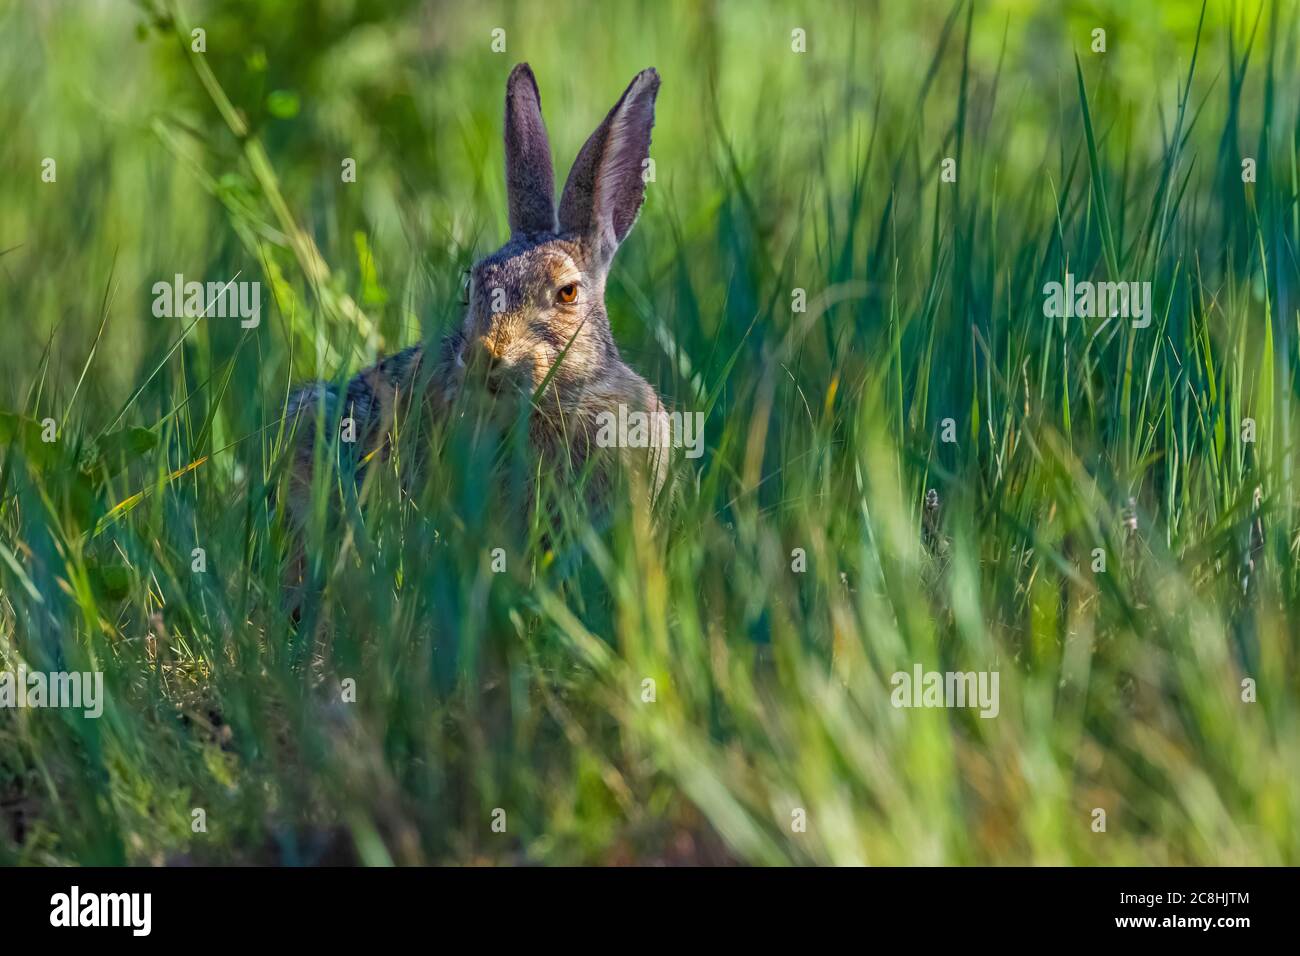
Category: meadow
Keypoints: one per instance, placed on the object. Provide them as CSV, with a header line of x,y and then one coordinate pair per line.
x,y
911,462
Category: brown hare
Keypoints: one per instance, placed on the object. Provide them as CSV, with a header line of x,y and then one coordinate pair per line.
x,y
535,325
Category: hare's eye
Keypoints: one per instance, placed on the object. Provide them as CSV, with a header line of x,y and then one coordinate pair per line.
x,y
567,293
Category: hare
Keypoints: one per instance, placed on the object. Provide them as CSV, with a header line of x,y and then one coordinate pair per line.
x,y
535,323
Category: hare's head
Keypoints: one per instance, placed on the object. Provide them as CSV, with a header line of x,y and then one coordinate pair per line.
x,y
537,305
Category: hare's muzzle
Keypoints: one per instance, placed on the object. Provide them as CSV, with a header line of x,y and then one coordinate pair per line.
x,y
486,365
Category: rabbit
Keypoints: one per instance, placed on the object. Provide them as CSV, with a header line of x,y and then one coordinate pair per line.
x,y
536,309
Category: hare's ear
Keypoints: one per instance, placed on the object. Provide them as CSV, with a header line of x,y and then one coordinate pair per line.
x,y
530,181
605,188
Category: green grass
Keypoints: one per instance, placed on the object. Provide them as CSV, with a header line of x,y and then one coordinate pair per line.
x,y
523,690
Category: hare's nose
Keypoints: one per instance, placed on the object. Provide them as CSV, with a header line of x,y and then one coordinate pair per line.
x,y
492,347
496,369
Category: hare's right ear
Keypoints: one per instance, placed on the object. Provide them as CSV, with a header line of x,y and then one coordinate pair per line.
x,y
605,188
530,181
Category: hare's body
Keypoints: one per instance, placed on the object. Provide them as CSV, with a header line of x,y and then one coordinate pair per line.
x,y
536,323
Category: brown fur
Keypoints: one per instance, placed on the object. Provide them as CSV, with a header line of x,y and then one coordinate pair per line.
x,y
517,329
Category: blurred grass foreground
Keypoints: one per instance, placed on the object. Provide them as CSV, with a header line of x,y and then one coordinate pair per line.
x,y
914,464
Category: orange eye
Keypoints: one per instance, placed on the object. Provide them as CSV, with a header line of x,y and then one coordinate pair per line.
x,y
567,293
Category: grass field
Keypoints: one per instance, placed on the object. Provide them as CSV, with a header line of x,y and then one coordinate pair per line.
x,y
1113,530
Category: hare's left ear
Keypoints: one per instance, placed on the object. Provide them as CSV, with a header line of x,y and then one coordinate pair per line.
x,y
530,181
606,187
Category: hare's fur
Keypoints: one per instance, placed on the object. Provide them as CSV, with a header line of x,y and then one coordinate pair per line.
x,y
536,308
